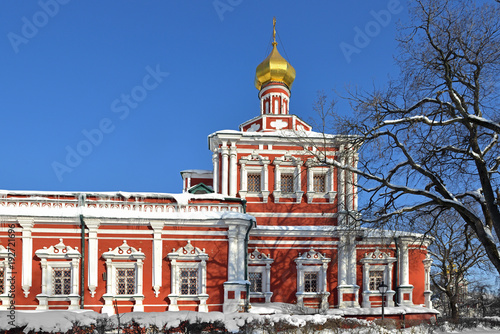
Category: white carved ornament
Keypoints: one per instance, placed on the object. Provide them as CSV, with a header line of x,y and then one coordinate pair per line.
x,y
279,124
58,251
378,257
257,256
124,252
254,127
188,252
312,256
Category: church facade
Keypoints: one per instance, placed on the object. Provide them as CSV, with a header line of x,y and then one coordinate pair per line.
x,y
273,222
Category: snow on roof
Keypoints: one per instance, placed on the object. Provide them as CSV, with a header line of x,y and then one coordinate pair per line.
x,y
283,133
197,171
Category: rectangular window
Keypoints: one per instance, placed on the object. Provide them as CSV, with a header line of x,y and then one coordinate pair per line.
x,y
310,281
61,281
253,183
376,277
188,281
319,183
125,281
2,280
255,282
286,183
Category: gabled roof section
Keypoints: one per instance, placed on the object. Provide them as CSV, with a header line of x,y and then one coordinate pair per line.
x,y
200,188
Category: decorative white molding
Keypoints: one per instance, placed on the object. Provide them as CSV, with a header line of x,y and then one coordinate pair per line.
x,y
188,257
254,127
127,257
312,261
261,263
290,165
377,261
279,124
67,257
257,164
315,168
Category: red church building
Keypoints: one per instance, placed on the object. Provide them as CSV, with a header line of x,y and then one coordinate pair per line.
x,y
271,223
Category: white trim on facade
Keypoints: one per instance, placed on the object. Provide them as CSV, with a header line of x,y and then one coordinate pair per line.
x,y
123,257
261,263
382,262
188,257
309,262
58,256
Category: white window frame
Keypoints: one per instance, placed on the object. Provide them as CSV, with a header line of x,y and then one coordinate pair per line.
x,y
254,164
308,262
58,256
261,263
287,164
7,271
188,257
377,261
315,168
123,257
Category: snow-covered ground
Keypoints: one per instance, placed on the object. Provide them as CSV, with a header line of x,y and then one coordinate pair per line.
x,y
63,321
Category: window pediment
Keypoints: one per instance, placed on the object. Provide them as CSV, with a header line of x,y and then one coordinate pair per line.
x,y
188,252
124,252
312,257
256,257
58,251
255,159
378,256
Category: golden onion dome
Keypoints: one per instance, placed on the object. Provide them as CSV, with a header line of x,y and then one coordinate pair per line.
x,y
274,68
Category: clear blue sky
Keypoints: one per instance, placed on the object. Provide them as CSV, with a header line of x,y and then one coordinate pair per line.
x,y
68,66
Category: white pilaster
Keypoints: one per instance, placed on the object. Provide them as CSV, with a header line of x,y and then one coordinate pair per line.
x,y
215,161
265,181
242,252
405,289
233,177
347,272
232,261
225,169
157,256
93,251
27,226
341,189
427,283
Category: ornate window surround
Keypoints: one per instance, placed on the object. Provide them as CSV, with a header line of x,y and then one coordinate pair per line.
x,y
312,261
261,263
287,164
126,257
315,168
377,261
58,256
188,257
254,163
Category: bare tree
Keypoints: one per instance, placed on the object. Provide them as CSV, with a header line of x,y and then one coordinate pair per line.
x,y
431,137
456,254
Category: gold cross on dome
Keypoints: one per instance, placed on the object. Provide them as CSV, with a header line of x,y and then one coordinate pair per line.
x,y
274,29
